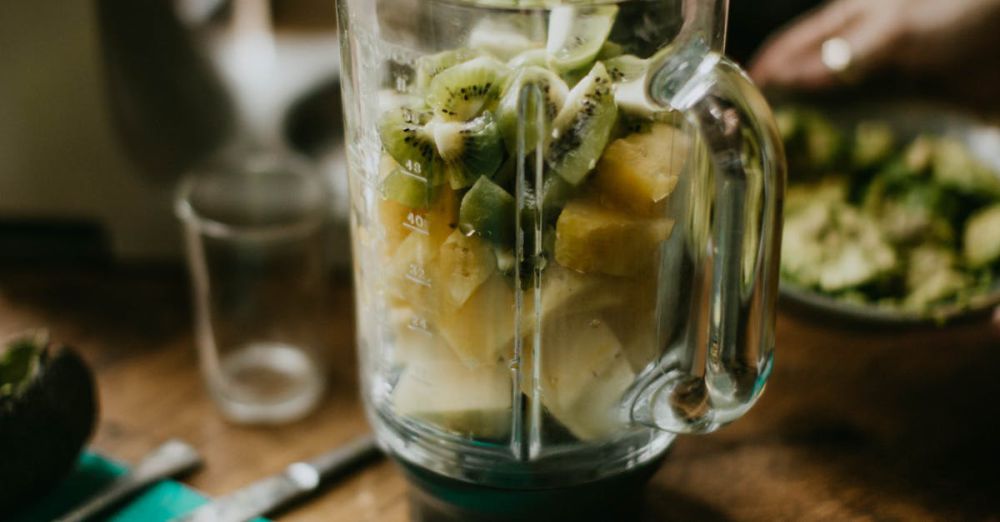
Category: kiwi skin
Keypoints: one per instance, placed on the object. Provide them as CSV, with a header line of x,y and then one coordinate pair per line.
x,y
404,137
44,424
461,92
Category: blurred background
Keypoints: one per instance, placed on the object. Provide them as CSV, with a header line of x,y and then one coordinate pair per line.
x,y
105,105
109,102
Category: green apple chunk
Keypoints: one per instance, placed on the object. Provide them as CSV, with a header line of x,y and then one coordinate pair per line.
x,y
488,211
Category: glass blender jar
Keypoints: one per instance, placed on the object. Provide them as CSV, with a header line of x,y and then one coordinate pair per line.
x,y
565,222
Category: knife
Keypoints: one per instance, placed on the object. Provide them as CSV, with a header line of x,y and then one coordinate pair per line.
x,y
298,479
173,458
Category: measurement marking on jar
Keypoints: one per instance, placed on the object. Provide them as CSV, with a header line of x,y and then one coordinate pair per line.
x,y
417,223
419,324
418,275
413,170
401,84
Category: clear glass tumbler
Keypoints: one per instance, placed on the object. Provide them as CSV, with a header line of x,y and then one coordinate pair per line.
x,y
254,227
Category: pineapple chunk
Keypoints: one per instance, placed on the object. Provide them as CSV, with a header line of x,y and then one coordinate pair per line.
x,y
414,279
413,276
442,217
640,346
567,292
634,321
596,414
592,238
641,170
483,327
575,351
392,216
414,340
465,264
399,221
473,402
584,374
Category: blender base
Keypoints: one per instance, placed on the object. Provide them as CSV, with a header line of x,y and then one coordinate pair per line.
x,y
436,498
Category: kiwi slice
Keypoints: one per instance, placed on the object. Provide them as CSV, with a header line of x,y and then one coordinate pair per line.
x,y
431,65
610,50
555,193
469,149
551,91
405,137
583,126
626,68
507,175
462,91
537,57
628,72
577,34
488,211
503,38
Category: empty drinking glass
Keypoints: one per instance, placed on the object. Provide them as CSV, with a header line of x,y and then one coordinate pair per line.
x,y
253,224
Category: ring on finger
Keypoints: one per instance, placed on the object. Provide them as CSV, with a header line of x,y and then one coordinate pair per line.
x,y
838,56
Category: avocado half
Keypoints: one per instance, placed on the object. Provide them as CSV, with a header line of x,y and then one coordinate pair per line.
x,y
48,409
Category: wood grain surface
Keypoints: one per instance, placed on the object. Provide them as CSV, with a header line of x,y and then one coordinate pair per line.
x,y
855,424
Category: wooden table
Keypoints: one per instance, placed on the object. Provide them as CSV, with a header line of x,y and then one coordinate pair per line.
x,y
854,426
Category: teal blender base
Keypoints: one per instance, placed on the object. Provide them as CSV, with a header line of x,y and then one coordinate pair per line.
x,y
436,498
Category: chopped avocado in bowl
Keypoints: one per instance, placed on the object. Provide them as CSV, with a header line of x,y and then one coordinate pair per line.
x,y
892,212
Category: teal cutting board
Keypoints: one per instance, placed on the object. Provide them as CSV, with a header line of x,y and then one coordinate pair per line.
x,y
160,503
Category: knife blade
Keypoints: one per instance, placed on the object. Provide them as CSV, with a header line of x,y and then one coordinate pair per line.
x,y
298,479
172,458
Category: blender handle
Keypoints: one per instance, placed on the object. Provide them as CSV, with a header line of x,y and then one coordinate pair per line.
x,y
746,153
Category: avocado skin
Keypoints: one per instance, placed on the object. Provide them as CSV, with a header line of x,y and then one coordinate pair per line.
x,y
43,430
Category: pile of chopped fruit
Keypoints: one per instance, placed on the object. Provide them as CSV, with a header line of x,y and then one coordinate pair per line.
x,y
528,174
869,219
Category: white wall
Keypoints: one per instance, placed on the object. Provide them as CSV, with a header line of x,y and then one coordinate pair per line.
x,y
59,155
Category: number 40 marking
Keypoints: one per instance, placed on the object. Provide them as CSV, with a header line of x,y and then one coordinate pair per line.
x,y
417,223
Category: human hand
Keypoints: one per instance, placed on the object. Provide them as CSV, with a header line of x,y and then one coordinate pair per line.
x,y
996,322
859,37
